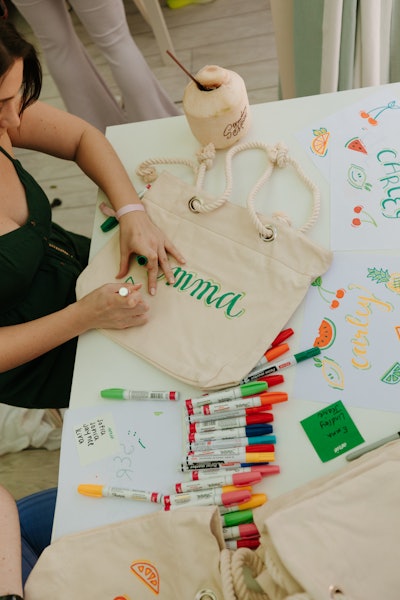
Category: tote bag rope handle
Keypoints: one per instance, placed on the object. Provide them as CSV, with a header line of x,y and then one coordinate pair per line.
x,y
278,157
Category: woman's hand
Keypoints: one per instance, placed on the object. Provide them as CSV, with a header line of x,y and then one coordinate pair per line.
x,y
138,235
105,308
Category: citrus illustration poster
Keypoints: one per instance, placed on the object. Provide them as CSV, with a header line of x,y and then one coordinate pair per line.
x,y
354,312
358,150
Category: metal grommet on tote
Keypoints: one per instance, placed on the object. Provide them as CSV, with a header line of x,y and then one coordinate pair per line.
x,y
206,594
334,591
273,234
191,204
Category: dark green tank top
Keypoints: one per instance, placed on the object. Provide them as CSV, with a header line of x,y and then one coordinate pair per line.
x,y
39,266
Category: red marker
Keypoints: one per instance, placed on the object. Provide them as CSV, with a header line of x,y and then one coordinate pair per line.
x,y
257,418
251,543
282,336
245,530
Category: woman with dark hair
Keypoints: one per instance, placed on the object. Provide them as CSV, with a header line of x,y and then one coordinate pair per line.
x,y
40,318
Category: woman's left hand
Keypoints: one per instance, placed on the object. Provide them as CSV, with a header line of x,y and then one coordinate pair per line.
x,y
138,235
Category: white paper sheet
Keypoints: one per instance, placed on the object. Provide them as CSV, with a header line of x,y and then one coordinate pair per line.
x,y
358,301
135,444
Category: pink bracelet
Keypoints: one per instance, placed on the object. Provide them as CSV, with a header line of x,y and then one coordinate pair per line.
x,y
127,209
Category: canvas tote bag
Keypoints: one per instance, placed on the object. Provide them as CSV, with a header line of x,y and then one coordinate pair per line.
x,y
336,537
245,274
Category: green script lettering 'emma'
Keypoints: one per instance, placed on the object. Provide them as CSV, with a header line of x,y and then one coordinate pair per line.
x,y
207,291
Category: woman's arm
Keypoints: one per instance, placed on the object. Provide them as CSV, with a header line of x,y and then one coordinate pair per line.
x,y
10,546
60,134
103,308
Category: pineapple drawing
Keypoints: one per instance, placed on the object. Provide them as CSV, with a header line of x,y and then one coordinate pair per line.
x,y
391,280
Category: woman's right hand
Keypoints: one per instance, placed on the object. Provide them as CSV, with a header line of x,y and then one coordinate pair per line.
x,y
105,308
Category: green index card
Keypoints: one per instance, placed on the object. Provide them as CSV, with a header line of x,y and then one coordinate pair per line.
x,y
332,431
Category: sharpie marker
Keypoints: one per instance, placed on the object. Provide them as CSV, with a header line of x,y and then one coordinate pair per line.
x,y
236,479
232,452
271,380
239,412
283,364
252,543
121,394
212,467
256,419
240,391
232,432
255,501
266,399
245,530
100,491
240,456
272,354
232,442
206,498
264,471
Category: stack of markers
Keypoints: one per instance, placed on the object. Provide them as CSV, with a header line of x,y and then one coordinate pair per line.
x,y
230,444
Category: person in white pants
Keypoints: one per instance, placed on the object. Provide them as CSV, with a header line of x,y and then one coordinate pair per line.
x,y
81,87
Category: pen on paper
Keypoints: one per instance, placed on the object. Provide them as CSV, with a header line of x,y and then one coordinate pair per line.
x,y
373,446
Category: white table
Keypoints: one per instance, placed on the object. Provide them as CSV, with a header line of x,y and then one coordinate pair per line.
x,y
97,356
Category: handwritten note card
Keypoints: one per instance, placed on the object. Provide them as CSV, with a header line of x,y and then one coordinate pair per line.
x,y
332,431
136,445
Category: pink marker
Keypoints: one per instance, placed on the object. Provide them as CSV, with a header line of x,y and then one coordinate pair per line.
x,y
265,470
206,498
218,481
245,530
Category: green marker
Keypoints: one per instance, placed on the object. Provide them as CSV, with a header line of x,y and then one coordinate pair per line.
x,y
240,391
237,518
263,371
122,394
109,224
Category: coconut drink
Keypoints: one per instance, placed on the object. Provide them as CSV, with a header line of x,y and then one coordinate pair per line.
x,y
217,110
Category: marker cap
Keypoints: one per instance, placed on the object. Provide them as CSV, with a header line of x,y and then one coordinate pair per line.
x,y
236,518
113,394
282,336
255,500
276,351
273,397
262,417
307,353
272,380
253,387
93,490
267,469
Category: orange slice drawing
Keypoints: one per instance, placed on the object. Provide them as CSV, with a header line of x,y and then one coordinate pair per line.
x,y
319,144
147,573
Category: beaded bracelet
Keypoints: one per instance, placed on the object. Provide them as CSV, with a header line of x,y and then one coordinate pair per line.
x,y
127,209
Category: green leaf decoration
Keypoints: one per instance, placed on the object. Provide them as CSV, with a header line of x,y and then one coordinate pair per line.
x,y
317,282
379,275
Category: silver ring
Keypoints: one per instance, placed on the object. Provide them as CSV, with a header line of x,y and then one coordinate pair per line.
x,y
206,595
273,234
123,291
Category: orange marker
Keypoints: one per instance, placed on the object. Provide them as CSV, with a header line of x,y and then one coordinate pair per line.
x,y
272,354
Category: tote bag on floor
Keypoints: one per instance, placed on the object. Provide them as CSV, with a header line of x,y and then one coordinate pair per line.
x,y
245,275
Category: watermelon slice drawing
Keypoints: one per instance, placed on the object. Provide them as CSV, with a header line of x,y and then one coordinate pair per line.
x,y
326,334
356,145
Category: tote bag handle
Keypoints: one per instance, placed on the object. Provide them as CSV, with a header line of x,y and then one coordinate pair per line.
x,y
278,156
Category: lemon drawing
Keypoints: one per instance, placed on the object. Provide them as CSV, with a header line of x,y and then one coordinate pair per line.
x,y
331,371
319,144
391,280
392,375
